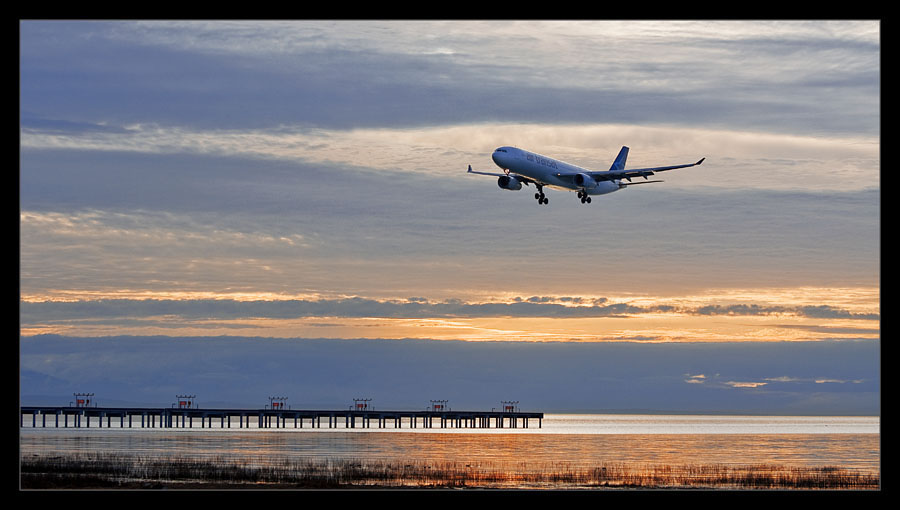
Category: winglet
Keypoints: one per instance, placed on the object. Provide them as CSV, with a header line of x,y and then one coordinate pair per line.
x,y
697,163
470,169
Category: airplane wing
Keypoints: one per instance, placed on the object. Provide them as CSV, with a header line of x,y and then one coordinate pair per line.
x,y
612,175
470,171
522,179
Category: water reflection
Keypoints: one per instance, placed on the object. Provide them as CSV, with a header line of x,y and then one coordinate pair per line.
x,y
575,440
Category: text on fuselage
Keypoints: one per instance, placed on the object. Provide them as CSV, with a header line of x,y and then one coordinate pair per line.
x,y
541,161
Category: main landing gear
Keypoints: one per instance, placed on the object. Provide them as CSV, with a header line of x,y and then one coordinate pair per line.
x,y
584,197
539,196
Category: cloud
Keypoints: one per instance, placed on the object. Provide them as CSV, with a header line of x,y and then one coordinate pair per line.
x,y
819,311
322,157
350,223
826,311
771,76
782,379
404,374
355,307
833,330
745,384
778,383
824,163
647,320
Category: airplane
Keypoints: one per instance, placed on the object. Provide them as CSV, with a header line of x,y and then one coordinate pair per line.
x,y
523,167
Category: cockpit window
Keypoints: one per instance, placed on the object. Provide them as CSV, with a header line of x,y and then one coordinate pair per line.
x,y
500,150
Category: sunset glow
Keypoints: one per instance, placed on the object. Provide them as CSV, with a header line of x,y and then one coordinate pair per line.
x,y
746,315
283,200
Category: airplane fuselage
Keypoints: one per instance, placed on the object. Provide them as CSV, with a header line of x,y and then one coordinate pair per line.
x,y
545,170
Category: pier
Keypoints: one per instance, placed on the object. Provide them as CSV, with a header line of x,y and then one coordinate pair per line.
x,y
185,417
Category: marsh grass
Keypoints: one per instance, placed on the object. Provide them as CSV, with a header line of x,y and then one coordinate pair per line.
x,y
134,471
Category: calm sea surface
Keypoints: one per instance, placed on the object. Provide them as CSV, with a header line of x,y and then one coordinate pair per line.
x,y
572,439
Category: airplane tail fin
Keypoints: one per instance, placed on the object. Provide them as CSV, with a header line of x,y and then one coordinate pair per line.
x,y
619,163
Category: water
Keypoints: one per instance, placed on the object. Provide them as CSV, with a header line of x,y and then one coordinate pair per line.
x,y
570,439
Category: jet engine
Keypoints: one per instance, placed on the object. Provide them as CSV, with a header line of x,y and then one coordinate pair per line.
x,y
585,181
508,182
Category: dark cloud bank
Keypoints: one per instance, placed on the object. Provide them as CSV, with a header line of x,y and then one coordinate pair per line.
x,y
242,371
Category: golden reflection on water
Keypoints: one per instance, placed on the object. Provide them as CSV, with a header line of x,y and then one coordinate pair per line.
x,y
503,451
570,450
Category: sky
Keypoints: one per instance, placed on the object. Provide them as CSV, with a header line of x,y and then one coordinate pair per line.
x,y
239,209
